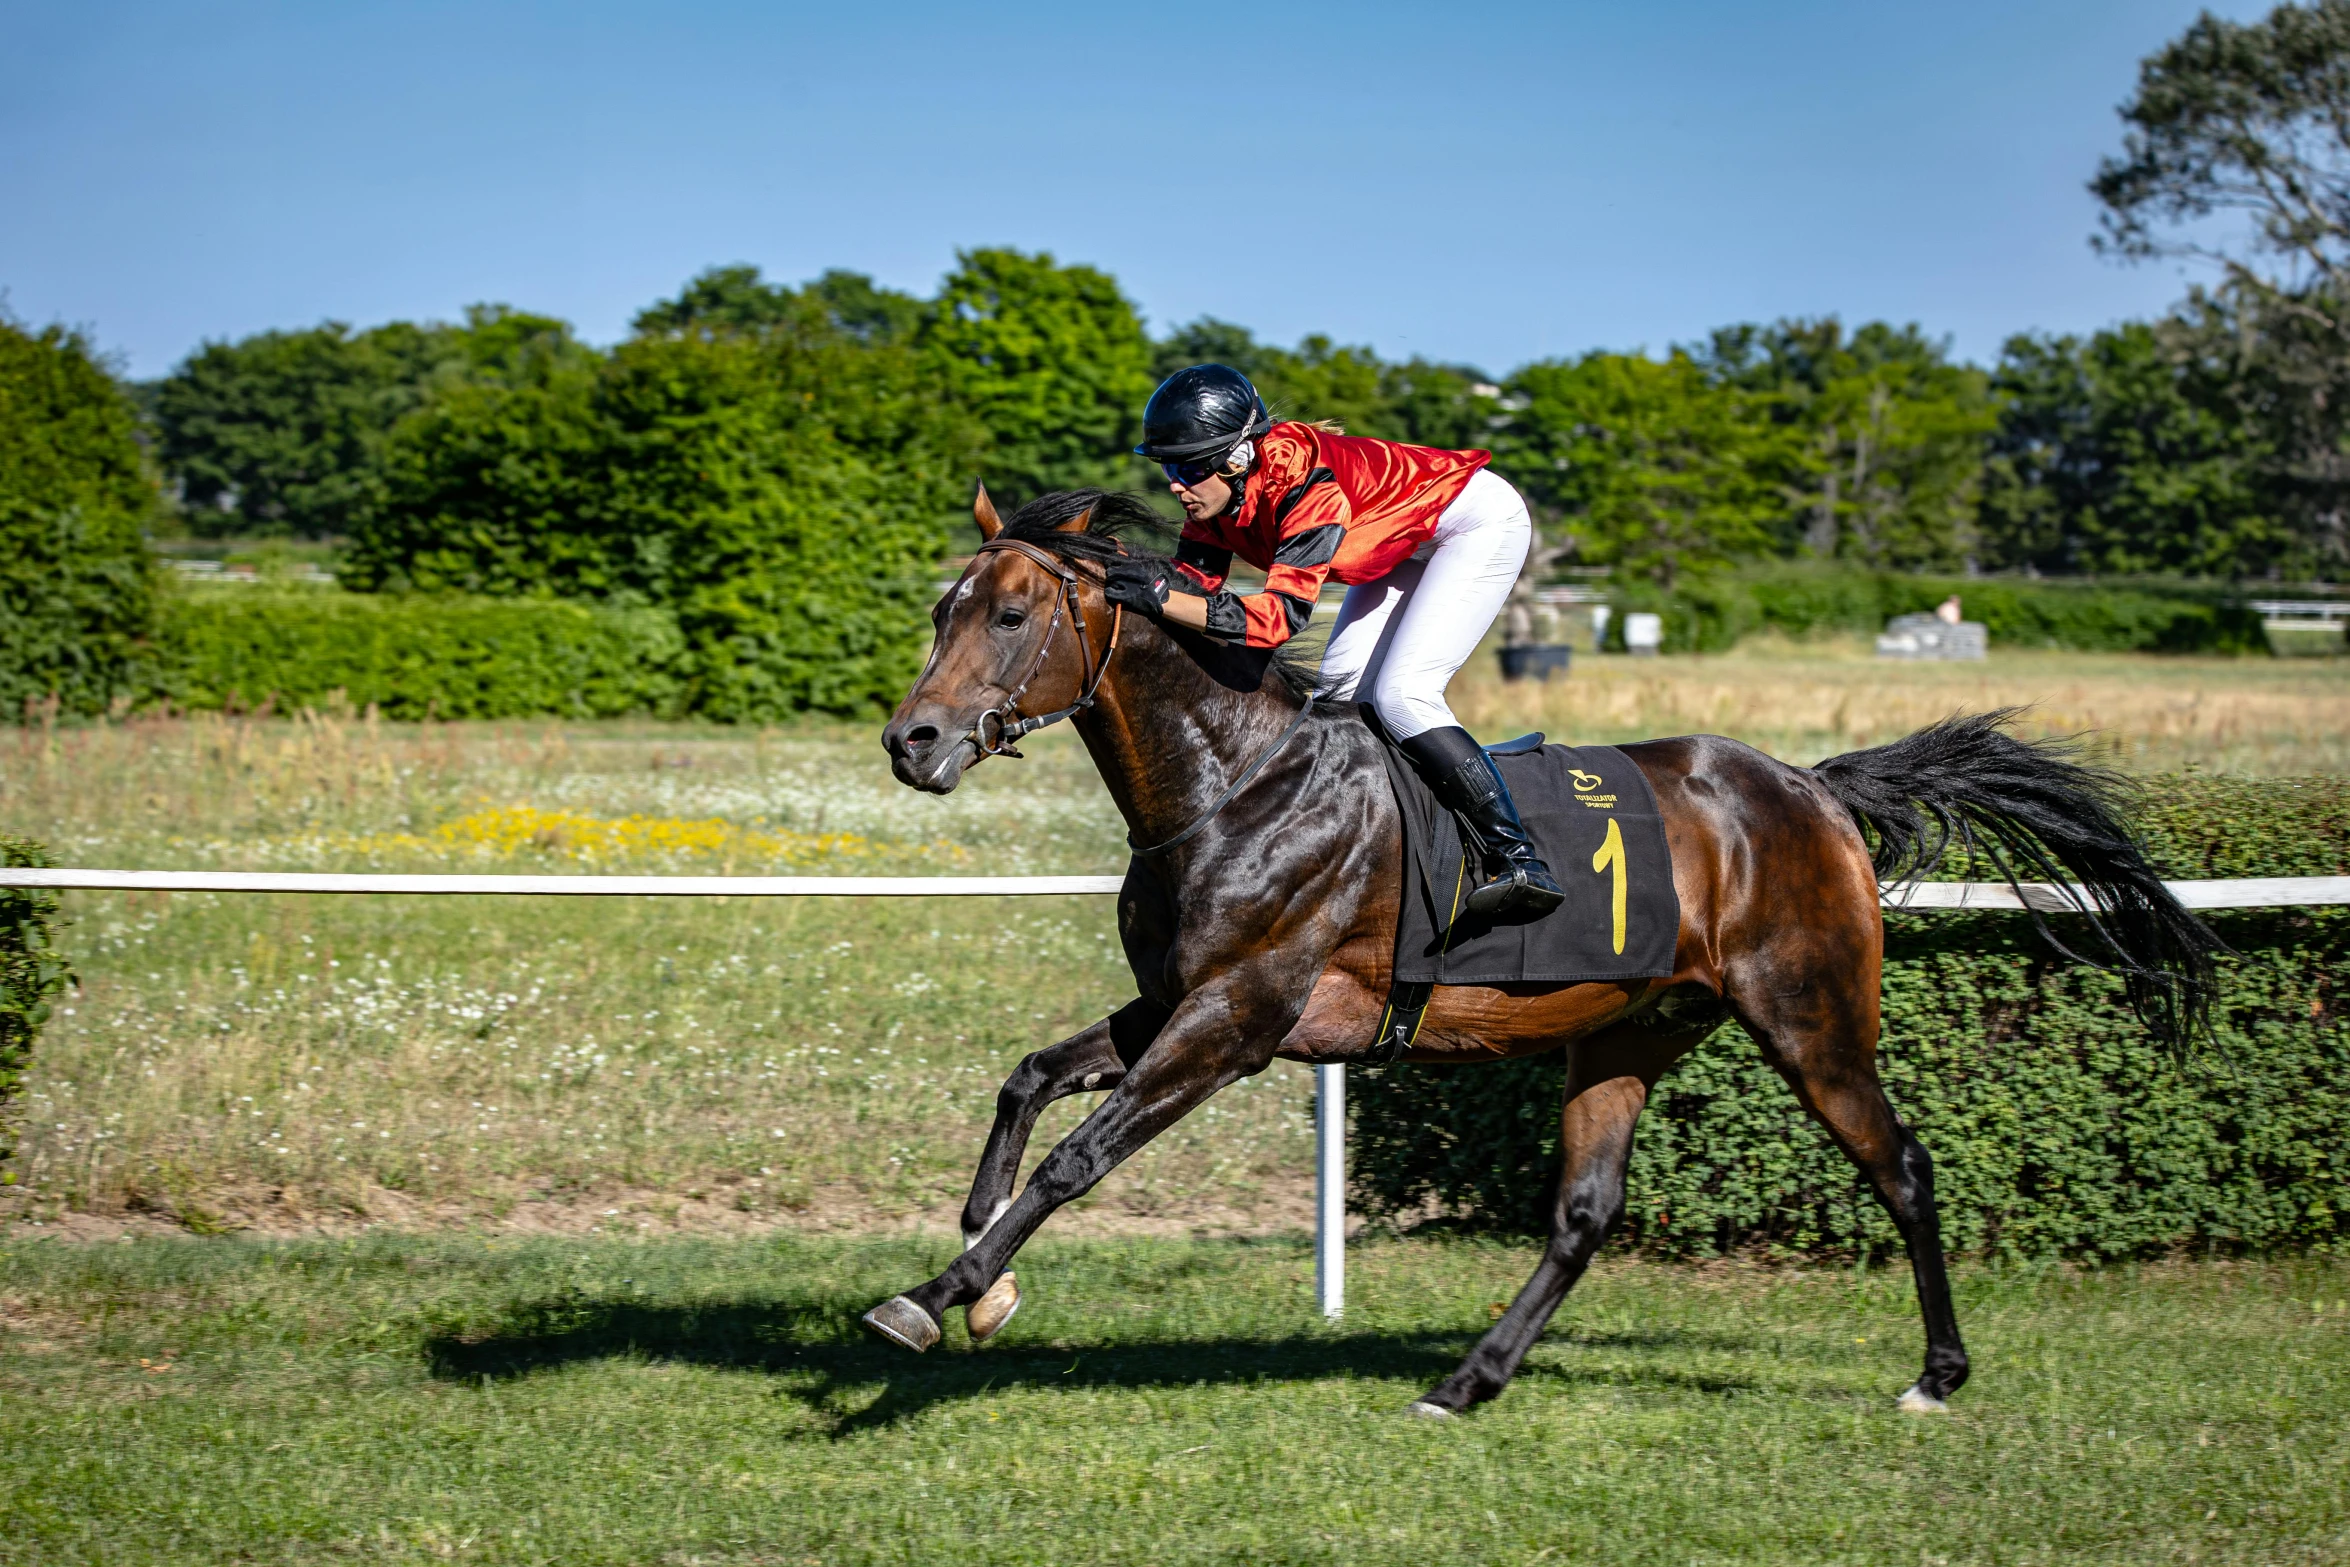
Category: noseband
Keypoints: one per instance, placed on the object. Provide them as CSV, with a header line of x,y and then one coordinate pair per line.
x,y
1009,725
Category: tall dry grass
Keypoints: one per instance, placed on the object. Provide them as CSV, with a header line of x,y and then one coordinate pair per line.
x,y
1802,702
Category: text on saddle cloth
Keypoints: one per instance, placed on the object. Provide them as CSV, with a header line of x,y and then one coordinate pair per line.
x,y
1594,819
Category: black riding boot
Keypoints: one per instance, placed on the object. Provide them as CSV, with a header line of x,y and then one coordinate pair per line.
x,y
1467,784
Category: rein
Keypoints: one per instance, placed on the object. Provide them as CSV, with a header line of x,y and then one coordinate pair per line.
x,y
1230,790
1010,727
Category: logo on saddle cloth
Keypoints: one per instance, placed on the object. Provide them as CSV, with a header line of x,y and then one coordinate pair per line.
x,y
1585,783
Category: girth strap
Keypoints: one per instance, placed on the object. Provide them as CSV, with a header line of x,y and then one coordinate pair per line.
x,y
1399,1025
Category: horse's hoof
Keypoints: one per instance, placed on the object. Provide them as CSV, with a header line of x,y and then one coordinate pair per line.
x,y
903,1323
992,1310
1421,1409
1918,1401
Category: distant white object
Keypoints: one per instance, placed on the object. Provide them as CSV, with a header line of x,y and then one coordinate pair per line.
x,y
1931,636
1948,611
2303,609
2305,626
222,571
1600,614
1644,633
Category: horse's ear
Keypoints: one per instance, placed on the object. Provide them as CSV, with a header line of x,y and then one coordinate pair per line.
x,y
1077,524
983,513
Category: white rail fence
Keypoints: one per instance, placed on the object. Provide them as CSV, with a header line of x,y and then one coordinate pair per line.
x,y
1329,1080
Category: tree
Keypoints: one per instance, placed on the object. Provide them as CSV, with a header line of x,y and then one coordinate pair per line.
x,y
780,492
1425,404
277,434
281,433
1886,447
725,300
720,302
1658,469
76,581
1451,406
2128,452
2252,120
1051,360
1211,341
1320,380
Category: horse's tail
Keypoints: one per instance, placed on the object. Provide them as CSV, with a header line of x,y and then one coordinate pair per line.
x,y
2037,813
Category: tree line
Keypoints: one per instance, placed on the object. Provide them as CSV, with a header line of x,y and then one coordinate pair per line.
x,y
503,455
2209,443
781,466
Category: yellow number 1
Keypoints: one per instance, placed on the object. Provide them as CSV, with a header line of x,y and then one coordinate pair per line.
x,y
1611,852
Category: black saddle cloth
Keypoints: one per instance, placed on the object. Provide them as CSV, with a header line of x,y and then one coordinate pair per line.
x,y
1594,818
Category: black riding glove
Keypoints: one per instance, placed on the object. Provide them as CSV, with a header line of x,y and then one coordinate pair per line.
x,y
1140,585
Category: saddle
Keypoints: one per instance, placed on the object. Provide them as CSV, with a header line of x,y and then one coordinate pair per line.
x,y
1594,818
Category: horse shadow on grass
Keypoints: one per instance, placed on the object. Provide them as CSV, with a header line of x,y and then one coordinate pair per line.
x,y
818,1357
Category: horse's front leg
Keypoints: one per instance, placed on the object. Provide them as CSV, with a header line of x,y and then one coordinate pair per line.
x,y
1095,1060
1213,1038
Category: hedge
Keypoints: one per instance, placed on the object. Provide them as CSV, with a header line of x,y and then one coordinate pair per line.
x,y
1711,614
30,973
418,656
2058,1126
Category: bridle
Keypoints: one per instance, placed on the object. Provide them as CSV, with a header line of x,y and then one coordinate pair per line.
x,y
1010,727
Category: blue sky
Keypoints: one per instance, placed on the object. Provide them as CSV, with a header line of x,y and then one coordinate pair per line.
x,y
1489,186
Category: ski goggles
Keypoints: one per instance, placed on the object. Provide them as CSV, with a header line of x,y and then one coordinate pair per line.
x,y
1192,470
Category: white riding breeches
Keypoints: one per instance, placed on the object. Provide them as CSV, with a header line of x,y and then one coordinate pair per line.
x,y
1399,640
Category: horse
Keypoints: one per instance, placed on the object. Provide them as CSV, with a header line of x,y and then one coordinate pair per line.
x,y
1259,912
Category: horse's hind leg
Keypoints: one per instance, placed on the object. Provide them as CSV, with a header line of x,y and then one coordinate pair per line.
x,y
1608,1080
1822,1038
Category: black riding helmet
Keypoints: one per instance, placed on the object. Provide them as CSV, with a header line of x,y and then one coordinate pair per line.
x,y
1204,411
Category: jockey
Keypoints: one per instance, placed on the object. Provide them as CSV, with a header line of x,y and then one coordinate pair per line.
x,y
1427,541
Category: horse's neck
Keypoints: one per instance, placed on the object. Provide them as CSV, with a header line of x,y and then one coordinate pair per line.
x,y
1167,735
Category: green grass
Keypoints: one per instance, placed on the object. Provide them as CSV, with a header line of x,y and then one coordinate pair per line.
x,y
473,1073
283,1062
291,1062
707,1401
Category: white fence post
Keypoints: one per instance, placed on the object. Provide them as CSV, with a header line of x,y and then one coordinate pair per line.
x,y
1330,1187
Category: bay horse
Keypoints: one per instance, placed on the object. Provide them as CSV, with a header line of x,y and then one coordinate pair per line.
x,y
1259,915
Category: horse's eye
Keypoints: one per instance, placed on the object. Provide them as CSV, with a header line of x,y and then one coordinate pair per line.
x,y
1011,617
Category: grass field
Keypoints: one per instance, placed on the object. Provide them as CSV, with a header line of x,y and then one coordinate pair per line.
x,y
290,1064
511,1231
707,1401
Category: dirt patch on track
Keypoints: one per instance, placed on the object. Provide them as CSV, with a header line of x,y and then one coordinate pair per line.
x,y
290,1212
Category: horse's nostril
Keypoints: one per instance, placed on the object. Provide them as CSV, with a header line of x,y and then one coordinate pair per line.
x,y
920,735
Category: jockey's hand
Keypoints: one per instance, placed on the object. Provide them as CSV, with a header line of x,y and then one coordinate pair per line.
x,y
1140,585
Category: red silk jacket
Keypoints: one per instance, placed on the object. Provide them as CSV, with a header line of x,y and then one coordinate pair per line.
x,y
1316,506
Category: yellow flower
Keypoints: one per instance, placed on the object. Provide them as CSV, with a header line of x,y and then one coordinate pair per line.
x,y
513,831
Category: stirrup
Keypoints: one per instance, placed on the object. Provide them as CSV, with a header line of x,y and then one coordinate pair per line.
x,y
1517,891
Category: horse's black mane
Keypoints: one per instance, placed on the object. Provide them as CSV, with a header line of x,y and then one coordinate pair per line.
x,y
1117,522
